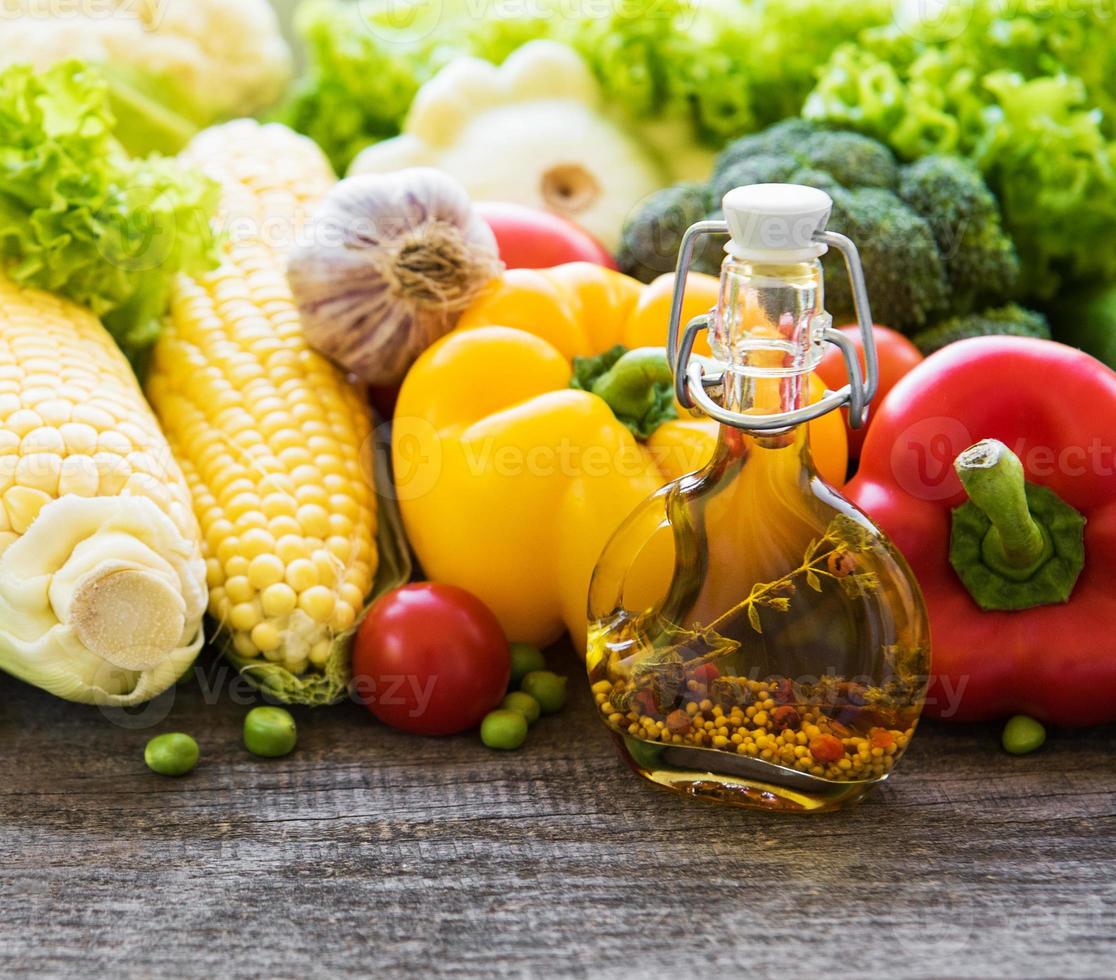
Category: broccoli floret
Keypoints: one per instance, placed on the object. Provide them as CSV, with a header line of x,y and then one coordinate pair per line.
x,y
1012,320
782,139
763,168
653,233
917,267
816,178
981,262
852,159
906,279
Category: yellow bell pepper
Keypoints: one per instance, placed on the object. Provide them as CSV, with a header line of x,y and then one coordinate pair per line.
x,y
510,481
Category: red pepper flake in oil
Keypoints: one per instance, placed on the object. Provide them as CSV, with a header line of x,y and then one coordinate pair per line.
x,y
826,748
881,738
678,722
785,716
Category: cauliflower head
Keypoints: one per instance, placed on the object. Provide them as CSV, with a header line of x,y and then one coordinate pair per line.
x,y
172,64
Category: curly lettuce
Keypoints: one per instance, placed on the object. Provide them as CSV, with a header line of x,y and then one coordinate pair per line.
x,y
1029,97
81,218
707,70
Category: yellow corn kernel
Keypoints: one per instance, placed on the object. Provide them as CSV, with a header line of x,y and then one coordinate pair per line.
x,y
23,505
351,594
239,589
278,600
244,615
214,573
266,637
242,644
302,574
318,603
265,570
343,617
255,542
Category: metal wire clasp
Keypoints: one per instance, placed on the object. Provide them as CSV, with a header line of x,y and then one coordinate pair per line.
x,y
691,380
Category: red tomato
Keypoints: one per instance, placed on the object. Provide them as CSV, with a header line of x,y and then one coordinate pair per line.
x,y
529,238
897,355
430,659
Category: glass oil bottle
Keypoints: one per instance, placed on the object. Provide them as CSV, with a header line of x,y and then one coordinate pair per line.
x,y
753,638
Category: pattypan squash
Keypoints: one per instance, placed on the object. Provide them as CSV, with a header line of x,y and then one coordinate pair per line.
x,y
533,131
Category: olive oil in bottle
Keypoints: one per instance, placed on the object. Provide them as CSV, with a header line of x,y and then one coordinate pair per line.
x,y
753,637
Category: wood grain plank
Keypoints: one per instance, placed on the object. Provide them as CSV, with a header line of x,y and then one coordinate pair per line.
x,y
370,851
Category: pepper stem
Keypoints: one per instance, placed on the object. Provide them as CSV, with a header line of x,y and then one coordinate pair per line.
x,y
993,477
629,385
636,384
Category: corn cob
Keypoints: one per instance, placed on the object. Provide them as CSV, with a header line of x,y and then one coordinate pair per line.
x,y
102,584
272,439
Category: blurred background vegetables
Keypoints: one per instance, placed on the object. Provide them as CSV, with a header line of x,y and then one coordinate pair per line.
x,y
685,74
170,67
1027,92
1024,96
1086,318
531,131
528,238
1012,320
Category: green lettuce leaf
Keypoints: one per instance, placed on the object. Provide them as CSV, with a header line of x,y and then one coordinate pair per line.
x,y
81,218
1029,96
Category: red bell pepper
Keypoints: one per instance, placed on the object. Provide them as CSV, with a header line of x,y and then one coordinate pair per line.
x,y
1015,626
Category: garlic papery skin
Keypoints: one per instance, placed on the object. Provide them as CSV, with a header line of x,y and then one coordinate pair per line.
x,y
101,600
386,266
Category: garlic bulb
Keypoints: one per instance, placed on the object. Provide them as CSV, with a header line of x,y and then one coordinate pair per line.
x,y
388,264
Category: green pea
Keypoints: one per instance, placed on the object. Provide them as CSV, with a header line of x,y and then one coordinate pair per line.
x,y
525,657
270,732
546,688
1023,734
524,704
173,754
503,729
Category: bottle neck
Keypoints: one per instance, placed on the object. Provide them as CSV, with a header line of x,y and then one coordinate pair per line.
x,y
767,334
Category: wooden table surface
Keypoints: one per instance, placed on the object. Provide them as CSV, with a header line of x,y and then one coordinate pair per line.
x,y
368,852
